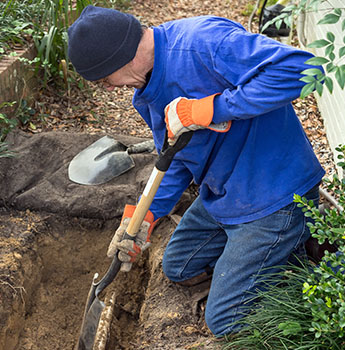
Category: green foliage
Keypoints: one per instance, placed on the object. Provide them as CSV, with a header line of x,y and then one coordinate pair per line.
x,y
46,22
16,22
24,117
249,8
332,59
304,307
50,34
281,320
5,152
324,289
6,124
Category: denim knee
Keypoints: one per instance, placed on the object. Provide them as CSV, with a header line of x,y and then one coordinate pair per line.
x,y
211,324
168,269
217,326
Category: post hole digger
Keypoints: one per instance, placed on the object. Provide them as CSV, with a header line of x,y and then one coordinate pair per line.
x,y
94,306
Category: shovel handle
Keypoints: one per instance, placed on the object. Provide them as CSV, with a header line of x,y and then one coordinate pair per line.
x,y
146,146
164,160
162,165
145,202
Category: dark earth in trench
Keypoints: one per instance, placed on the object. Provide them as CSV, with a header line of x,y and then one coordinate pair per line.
x,y
54,238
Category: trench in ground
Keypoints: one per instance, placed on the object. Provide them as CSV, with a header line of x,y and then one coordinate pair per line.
x,y
68,256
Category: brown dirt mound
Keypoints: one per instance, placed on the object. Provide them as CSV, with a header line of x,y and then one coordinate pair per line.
x,y
46,274
52,244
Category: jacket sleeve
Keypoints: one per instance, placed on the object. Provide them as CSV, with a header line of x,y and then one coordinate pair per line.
x,y
262,75
174,183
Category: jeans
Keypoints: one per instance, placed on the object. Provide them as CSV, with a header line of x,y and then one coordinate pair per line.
x,y
240,255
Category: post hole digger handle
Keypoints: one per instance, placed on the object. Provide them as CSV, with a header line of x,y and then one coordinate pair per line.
x,y
162,165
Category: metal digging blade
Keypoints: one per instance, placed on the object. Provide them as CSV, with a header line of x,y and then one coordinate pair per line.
x,y
94,307
103,160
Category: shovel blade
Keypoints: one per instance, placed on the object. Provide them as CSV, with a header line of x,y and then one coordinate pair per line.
x,y
94,307
90,325
100,162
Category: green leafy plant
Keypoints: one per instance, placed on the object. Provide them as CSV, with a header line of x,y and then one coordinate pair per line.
x,y
25,115
6,124
45,22
50,34
304,308
333,59
17,22
248,9
324,289
281,320
12,31
5,152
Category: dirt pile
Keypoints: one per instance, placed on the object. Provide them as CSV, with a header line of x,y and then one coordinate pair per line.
x,y
17,271
37,178
52,244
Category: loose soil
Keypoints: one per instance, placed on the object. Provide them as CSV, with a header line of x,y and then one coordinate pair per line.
x,y
48,280
54,233
54,237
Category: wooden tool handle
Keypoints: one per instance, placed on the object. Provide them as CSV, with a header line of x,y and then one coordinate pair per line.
x,y
162,165
145,202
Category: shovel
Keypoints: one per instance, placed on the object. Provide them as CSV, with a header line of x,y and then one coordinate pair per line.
x,y
103,160
94,306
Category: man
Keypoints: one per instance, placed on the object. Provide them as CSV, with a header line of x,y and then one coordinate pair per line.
x,y
248,153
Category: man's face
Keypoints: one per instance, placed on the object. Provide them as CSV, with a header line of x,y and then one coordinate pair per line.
x,y
130,75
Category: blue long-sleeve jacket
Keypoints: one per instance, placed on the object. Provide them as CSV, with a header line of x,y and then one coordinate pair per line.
x,y
255,168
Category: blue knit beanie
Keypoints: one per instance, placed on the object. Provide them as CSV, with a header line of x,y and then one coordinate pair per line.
x,y
101,41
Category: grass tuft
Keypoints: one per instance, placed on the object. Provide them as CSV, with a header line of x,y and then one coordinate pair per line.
x,y
280,319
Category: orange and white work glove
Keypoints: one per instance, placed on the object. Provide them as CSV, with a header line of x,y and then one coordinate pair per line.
x,y
129,249
183,114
